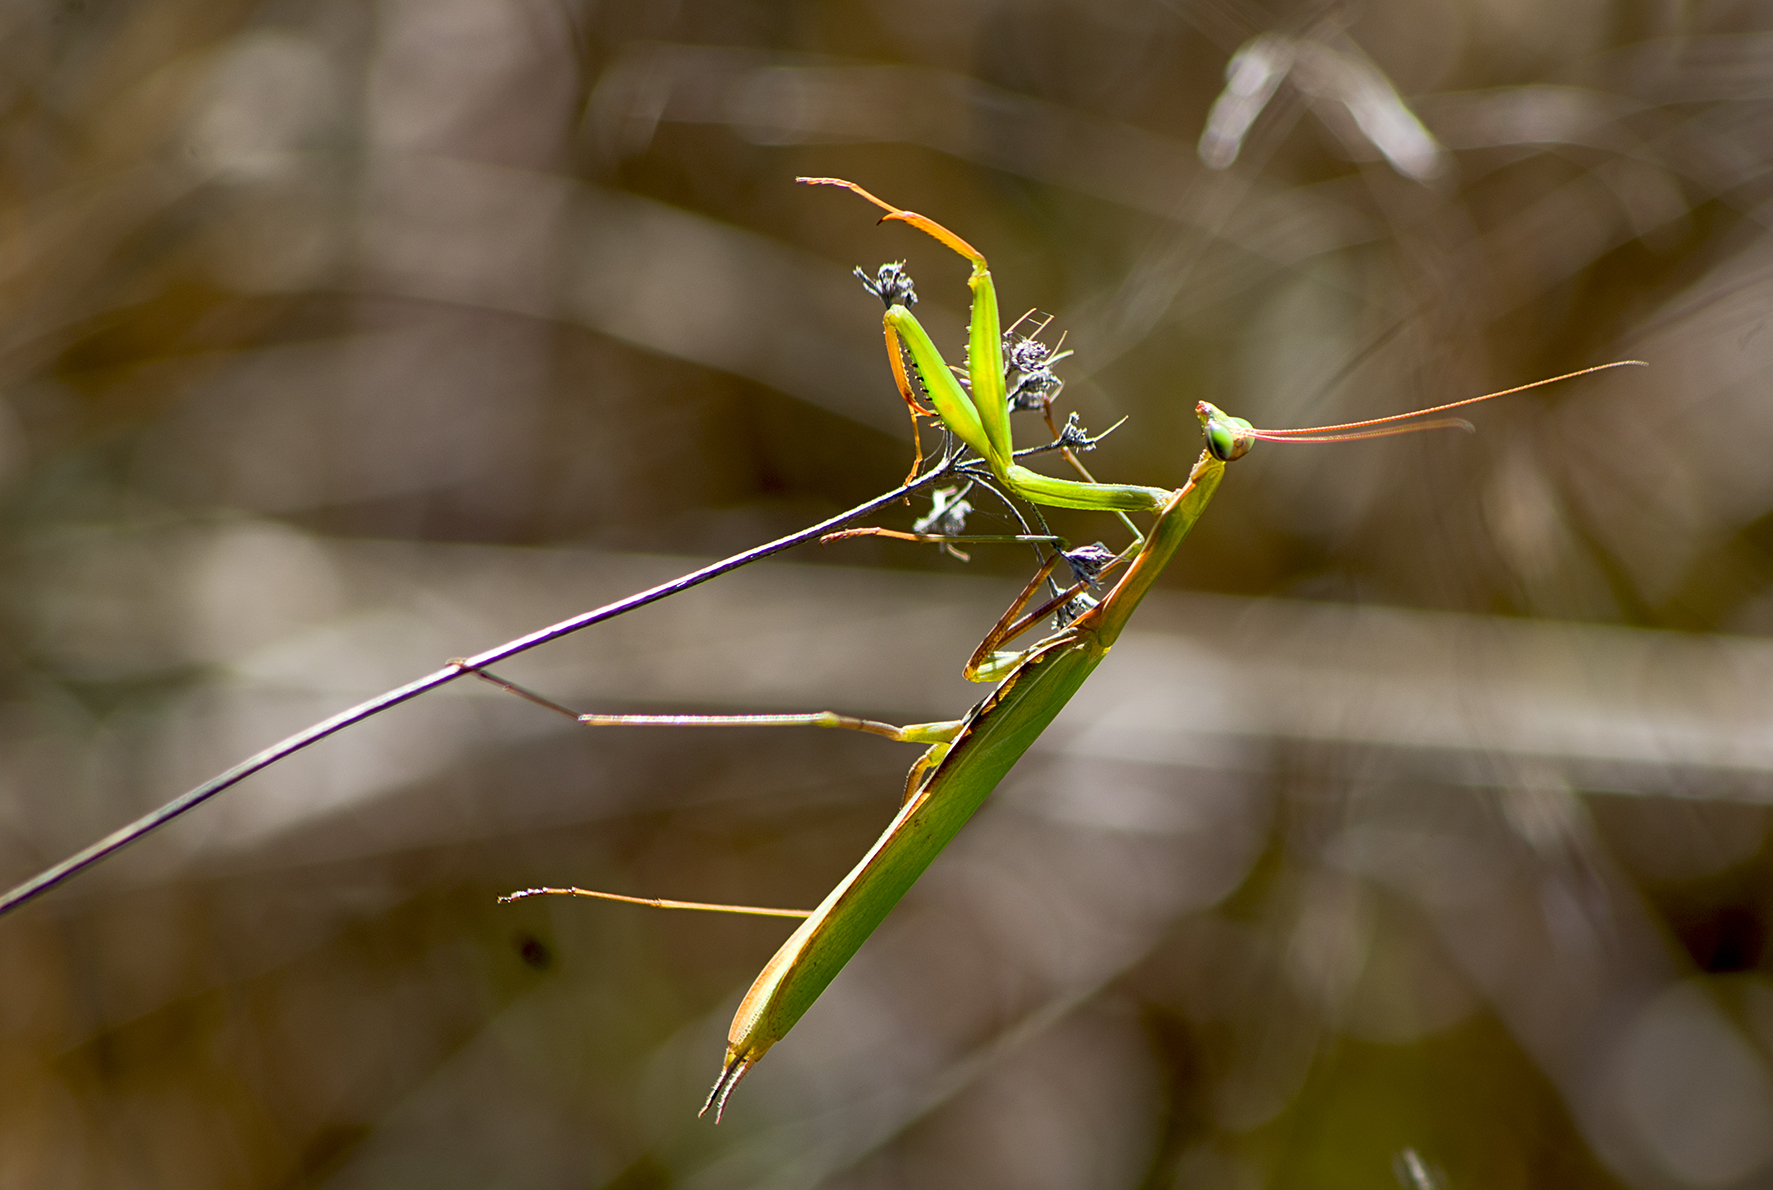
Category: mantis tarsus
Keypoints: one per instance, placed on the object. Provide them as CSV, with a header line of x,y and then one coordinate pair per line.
x,y
965,758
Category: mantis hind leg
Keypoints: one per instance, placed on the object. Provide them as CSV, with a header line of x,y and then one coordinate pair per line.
x,y
937,735
654,902
915,733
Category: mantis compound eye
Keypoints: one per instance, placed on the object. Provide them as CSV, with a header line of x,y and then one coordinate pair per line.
x,y
1228,437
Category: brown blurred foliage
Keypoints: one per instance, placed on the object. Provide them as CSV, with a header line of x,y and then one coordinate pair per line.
x,y
1416,838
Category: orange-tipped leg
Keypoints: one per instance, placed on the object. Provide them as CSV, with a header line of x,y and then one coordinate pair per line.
x,y
923,223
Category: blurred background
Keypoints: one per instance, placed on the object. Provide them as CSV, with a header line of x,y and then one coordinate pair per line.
x,y
1416,835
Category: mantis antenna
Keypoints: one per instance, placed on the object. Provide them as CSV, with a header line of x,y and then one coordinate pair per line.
x,y
1231,437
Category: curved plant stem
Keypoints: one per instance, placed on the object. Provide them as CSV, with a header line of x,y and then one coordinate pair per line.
x,y
117,840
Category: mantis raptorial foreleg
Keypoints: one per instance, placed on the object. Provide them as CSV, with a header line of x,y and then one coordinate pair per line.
x,y
893,287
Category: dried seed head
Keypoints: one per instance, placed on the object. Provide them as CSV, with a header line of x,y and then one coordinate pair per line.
x,y
892,285
1087,562
948,513
1031,362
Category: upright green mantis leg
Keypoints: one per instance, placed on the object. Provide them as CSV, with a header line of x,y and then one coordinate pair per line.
x,y
896,358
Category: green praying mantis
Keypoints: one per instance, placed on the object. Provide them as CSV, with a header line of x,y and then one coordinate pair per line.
x,y
965,759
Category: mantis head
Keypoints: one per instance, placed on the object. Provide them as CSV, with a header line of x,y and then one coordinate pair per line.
x,y
1228,437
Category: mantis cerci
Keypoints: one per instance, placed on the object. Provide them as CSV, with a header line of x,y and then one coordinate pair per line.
x,y
965,758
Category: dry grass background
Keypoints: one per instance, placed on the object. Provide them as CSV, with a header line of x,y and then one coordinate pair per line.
x,y
1417,836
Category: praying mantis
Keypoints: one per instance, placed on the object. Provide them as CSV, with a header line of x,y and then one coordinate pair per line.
x,y
966,758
